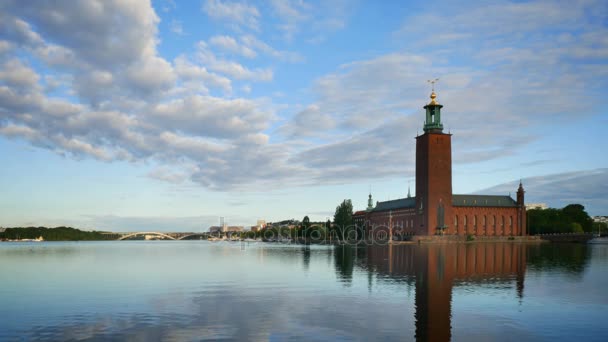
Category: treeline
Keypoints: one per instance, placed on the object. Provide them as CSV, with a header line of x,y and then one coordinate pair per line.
x,y
570,219
52,234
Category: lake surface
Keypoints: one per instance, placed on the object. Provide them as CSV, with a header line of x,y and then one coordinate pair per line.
x,y
198,290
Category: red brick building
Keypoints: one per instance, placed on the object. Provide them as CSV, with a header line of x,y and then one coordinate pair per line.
x,y
435,210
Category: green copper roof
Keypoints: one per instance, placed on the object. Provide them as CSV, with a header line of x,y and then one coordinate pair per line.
x,y
401,203
457,201
433,115
482,201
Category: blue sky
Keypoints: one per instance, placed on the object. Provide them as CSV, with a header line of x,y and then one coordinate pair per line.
x,y
131,115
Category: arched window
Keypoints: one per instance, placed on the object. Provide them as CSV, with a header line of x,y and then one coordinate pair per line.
x,y
502,224
456,221
484,220
494,220
511,221
475,221
465,220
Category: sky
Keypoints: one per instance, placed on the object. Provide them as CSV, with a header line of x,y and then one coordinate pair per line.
x,y
134,115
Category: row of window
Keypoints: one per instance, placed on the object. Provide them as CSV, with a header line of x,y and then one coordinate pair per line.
x,y
396,224
483,222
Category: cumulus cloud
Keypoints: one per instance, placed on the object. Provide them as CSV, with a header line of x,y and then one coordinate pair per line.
x,y
231,68
119,99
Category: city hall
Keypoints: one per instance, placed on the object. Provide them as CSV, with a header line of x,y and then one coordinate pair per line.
x,y
435,210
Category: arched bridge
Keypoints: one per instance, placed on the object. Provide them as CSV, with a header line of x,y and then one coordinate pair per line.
x,y
168,236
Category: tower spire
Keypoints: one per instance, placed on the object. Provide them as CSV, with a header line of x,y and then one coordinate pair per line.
x,y
409,194
370,202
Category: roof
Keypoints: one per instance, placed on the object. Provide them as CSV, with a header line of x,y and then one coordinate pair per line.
x,y
401,203
483,201
457,201
360,212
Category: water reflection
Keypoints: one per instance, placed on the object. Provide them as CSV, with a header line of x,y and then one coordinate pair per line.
x,y
177,291
567,258
438,268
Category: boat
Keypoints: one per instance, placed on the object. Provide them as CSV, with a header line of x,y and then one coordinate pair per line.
x,y
598,240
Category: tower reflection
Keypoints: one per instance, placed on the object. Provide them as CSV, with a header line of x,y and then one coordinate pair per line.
x,y
437,269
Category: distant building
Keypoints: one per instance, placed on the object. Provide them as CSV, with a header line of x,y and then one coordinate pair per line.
x,y
602,219
261,224
541,206
435,210
232,229
226,229
215,229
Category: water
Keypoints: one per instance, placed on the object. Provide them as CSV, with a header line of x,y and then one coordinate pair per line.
x,y
197,290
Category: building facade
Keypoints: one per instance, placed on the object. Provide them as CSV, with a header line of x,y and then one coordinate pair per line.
x,y
435,210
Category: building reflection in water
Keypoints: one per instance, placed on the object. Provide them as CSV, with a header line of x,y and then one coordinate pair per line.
x,y
436,270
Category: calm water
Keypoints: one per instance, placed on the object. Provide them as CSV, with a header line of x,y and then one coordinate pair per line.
x,y
192,290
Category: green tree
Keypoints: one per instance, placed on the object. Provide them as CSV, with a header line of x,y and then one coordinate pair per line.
x,y
576,227
343,218
306,222
570,219
575,213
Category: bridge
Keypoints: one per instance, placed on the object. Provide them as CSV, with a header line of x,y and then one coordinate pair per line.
x,y
156,235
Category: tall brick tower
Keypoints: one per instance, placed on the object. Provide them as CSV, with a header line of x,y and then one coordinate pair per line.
x,y
433,174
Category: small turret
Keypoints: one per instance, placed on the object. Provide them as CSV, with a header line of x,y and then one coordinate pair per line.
x,y
370,202
520,195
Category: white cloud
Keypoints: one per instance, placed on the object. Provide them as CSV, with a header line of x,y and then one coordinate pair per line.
x,y
5,47
16,75
317,21
239,15
230,44
188,71
176,27
230,68
120,100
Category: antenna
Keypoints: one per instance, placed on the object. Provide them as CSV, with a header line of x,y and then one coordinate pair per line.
x,y
432,82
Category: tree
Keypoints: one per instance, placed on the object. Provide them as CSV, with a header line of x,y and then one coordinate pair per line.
x,y
575,213
306,222
343,218
570,219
